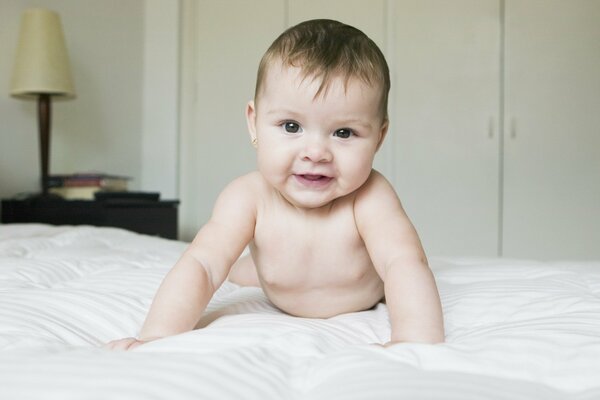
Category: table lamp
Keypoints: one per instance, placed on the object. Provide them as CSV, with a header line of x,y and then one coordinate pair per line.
x,y
41,72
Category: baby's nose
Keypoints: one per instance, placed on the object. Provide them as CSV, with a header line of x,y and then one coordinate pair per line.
x,y
316,150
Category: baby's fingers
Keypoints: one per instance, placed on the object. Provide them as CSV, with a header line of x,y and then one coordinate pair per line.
x,y
123,344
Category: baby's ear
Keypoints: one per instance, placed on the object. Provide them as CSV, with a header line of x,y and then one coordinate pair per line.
x,y
384,129
251,120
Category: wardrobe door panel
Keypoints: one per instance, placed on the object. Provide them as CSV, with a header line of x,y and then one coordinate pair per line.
x,y
552,135
445,121
225,40
368,16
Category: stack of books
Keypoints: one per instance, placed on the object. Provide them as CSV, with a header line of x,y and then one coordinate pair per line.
x,y
84,186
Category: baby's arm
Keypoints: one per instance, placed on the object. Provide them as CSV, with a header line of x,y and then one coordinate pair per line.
x,y
191,283
395,249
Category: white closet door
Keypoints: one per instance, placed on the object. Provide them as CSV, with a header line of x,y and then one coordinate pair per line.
x,y
225,41
552,135
446,86
368,16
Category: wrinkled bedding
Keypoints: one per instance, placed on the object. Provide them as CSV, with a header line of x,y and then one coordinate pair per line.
x,y
515,330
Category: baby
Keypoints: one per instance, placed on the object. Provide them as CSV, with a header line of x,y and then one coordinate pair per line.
x,y
327,233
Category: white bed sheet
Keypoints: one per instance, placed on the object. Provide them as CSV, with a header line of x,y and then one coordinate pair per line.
x,y
515,330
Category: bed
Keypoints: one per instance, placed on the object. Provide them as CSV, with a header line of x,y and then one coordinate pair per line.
x,y
515,330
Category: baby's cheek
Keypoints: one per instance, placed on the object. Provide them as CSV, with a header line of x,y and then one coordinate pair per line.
x,y
274,170
360,172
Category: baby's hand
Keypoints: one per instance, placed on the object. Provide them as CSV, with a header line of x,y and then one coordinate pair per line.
x,y
384,345
124,344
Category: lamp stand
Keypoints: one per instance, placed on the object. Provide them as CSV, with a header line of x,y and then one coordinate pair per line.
x,y
44,114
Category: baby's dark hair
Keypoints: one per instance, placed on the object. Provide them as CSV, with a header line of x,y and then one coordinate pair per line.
x,y
325,49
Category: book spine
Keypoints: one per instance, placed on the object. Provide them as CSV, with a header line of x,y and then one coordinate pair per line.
x,y
56,181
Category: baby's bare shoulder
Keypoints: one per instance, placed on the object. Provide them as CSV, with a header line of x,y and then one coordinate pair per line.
x,y
240,195
252,182
377,200
251,178
374,188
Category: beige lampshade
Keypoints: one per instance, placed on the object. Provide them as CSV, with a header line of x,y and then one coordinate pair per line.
x,y
42,63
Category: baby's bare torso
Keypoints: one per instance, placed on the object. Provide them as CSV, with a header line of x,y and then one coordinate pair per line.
x,y
313,263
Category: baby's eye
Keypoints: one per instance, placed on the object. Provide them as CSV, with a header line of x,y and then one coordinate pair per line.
x,y
291,127
343,133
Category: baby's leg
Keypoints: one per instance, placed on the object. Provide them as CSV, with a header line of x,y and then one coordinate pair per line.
x,y
243,272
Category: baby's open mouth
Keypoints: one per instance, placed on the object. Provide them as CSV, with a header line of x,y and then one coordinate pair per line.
x,y
313,180
314,177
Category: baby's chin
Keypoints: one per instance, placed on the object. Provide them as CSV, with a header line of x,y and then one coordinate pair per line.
x,y
306,197
307,204
311,201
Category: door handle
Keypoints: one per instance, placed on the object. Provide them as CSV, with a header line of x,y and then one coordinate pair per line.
x,y
513,128
491,128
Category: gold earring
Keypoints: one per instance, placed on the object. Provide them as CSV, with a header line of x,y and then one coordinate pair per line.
x,y
255,142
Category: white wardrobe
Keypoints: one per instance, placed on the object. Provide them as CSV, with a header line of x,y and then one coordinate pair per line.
x,y
494,145
551,151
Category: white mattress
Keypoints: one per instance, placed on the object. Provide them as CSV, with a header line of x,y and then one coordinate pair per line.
x,y
515,330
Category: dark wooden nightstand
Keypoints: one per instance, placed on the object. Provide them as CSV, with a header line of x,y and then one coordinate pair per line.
x,y
149,217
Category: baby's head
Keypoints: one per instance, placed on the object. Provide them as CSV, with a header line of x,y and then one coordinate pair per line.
x,y
325,50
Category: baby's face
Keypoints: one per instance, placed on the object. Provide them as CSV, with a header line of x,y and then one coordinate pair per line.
x,y
314,150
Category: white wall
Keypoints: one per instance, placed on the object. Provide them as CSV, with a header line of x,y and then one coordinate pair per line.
x,y
124,58
160,127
